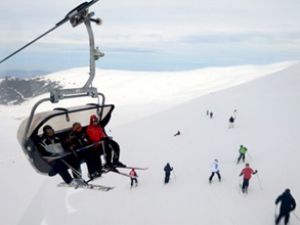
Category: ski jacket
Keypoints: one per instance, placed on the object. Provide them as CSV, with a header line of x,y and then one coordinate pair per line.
x,y
243,150
247,173
76,140
168,168
50,145
215,167
133,173
288,203
95,132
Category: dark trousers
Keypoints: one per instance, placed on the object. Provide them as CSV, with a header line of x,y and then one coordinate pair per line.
x,y
133,180
213,174
111,151
92,159
245,185
286,216
167,177
241,156
61,167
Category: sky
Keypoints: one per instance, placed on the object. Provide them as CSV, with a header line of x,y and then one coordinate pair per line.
x,y
156,35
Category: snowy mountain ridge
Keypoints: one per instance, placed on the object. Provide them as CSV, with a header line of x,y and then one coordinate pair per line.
x,y
267,124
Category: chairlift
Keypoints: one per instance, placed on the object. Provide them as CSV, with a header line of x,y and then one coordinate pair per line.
x,y
61,118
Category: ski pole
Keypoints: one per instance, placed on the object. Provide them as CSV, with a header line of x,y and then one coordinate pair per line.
x,y
250,156
259,181
297,217
275,213
174,174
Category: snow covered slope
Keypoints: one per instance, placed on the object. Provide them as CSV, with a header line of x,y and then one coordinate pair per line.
x,y
267,123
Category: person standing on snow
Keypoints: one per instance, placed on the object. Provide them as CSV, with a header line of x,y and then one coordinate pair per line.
x,y
287,205
246,173
242,152
133,177
167,170
215,169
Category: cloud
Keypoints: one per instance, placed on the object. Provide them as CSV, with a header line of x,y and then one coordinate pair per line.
x,y
160,28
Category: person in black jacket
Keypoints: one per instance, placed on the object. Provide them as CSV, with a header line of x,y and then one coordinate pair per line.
x,y
287,205
167,170
50,145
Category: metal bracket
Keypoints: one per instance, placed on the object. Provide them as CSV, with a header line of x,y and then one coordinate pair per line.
x,y
58,94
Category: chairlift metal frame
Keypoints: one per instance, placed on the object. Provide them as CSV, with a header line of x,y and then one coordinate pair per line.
x,y
28,132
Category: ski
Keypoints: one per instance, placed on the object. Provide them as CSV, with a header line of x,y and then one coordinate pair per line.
x,y
118,172
132,167
87,186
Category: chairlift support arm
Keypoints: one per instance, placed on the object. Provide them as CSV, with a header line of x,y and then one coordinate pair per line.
x,y
78,15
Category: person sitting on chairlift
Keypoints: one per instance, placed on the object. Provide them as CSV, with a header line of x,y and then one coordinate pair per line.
x,y
108,147
50,145
77,142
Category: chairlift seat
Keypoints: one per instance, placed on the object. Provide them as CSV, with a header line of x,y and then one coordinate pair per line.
x,y
61,121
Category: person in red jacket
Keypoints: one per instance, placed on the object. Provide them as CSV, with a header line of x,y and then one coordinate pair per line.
x,y
247,173
133,178
107,146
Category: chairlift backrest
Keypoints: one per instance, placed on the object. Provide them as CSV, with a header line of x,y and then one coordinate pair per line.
x,y
61,121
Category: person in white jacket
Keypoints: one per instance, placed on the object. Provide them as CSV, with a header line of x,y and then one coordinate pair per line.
x,y
215,169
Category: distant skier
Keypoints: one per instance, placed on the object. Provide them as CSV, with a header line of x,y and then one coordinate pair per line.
x,y
167,170
231,122
287,205
207,112
242,155
215,169
246,173
177,133
133,178
211,115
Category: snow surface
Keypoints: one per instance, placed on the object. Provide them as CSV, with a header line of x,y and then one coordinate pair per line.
x,y
151,107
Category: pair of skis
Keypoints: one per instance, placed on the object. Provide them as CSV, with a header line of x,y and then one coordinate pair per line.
x,y
97,187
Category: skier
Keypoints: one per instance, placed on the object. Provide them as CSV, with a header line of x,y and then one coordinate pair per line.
x,y
287,205
231,122
50,145
247,173
207,112
108,147
242,152
177,133
133,178
211,115
167,170
215,169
